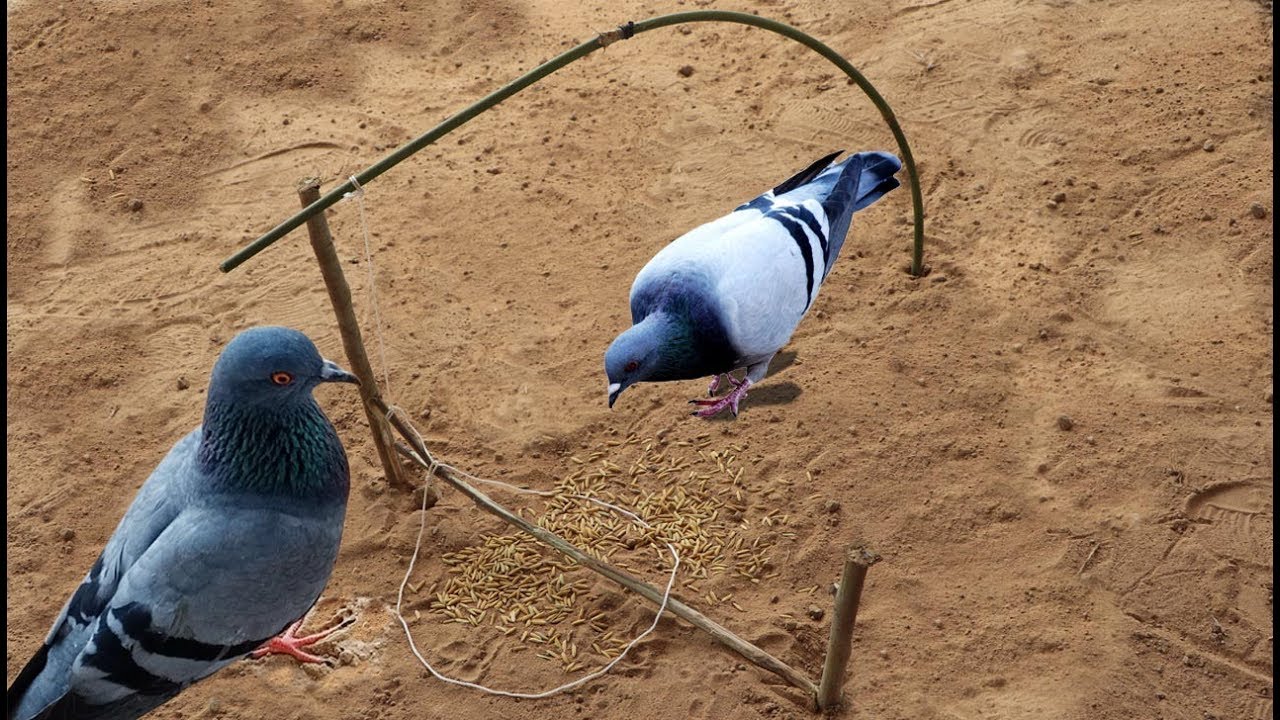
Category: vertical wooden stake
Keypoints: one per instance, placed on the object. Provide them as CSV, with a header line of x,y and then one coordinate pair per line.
x,y
856,563
340,297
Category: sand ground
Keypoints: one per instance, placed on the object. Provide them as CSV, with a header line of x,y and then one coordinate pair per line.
x,y
1098,181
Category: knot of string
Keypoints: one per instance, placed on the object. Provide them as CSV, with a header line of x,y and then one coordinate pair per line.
x,y
357,191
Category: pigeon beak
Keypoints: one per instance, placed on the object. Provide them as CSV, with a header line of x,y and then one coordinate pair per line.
x,y
615,389
330,372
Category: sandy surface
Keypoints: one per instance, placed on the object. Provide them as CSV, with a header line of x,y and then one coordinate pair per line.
x,y
1117,569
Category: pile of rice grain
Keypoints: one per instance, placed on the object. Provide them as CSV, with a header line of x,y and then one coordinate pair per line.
x,y
693,497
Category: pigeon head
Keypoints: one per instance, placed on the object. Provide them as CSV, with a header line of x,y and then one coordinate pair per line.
x,y
263,431
645,351
272,366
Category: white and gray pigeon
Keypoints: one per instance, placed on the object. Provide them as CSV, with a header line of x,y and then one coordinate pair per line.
x,y
226,545
729,294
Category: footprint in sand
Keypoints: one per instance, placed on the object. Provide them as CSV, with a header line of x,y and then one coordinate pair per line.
x,y
1234,505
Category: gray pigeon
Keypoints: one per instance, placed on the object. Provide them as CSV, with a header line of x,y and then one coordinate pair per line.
x,y
729,294
229,542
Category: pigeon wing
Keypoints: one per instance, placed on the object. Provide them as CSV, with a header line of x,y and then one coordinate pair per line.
x,y
767,259
768,272
646,288
45,677
219,582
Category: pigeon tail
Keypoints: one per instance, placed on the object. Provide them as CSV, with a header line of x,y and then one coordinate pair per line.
x,y
73,707
18,691
864,178
876,178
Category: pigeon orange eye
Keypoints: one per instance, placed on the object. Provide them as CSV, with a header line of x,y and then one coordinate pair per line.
x,y
281,378
631,366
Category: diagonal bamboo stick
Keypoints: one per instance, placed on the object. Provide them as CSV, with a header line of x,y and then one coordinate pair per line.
x,y
601,41
418,453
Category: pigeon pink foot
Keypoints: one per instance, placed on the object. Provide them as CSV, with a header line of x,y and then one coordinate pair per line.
x,y
730,401
289,643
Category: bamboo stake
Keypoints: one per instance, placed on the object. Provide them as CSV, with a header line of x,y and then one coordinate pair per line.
x,y
419,453
856,563
340,297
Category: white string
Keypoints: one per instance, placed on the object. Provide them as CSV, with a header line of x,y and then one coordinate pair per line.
x,y
358,194
422,523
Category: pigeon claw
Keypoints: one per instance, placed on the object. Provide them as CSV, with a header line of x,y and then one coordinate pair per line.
x,y
289,643
730,401
716,383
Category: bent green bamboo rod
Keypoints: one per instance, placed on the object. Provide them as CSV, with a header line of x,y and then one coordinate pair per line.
x,y
605,39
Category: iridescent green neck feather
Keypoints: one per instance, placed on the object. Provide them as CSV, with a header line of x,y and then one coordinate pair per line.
x,y
289,450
